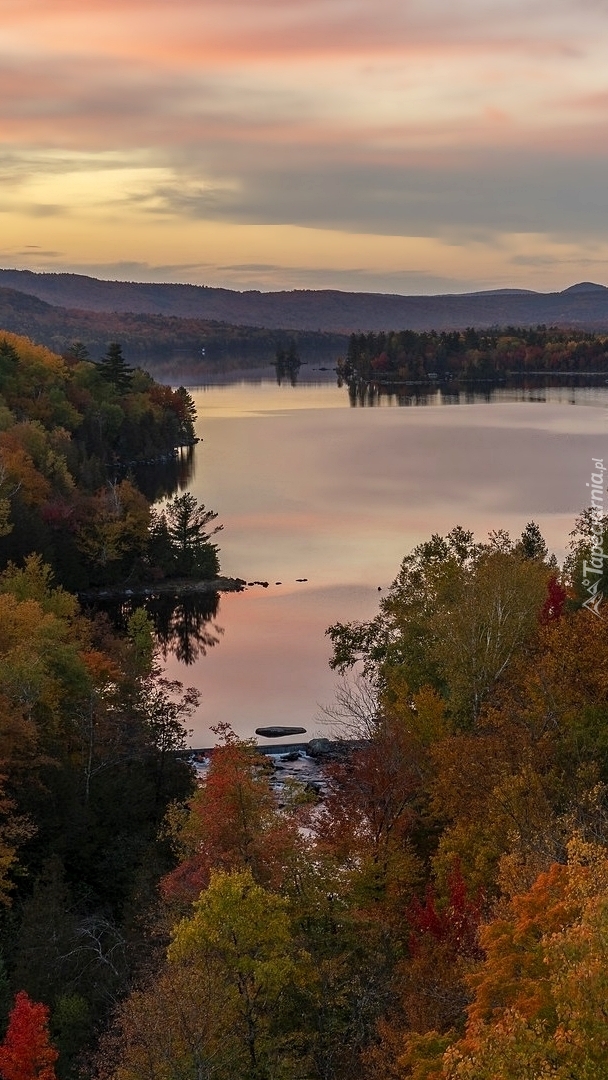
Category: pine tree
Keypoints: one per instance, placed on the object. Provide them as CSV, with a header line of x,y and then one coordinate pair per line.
x,y
192,552
114,368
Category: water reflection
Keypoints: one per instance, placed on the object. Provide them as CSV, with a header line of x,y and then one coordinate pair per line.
x,y
164,478
574,389
183,625
287,364
309,487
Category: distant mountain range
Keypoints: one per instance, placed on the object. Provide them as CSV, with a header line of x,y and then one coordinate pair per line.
x,y
192,329
172,349
582,305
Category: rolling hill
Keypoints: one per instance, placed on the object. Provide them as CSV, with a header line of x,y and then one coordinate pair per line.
x,y
181,332
584,305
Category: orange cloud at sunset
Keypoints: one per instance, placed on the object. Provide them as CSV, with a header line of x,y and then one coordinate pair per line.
x,y
386,145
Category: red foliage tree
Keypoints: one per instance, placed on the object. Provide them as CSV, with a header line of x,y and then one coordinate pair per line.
x,y
456,923
27,1052
555,602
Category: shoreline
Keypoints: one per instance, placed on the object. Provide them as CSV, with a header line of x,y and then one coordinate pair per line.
x,y
173,587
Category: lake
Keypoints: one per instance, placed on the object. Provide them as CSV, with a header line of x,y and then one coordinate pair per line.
x,y
308,486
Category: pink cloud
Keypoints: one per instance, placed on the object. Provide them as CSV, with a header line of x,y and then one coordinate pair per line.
x,y
277,28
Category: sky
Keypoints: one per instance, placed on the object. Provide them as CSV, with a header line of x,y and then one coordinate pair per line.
x,y
405,146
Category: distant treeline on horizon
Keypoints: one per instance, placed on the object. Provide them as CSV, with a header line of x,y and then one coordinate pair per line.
x,y
472,354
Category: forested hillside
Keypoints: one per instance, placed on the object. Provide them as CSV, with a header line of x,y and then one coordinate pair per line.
x,y
71,434
88,725
441,914
584,305
172,348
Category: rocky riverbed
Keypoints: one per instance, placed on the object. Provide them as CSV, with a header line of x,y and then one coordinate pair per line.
x,y
303,763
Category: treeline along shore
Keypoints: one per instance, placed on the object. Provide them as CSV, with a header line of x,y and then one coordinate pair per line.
x,y
472,355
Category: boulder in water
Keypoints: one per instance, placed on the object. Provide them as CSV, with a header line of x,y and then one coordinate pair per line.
x,y
319,748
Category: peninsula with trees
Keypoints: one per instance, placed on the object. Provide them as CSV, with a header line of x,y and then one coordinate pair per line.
x,y
72,436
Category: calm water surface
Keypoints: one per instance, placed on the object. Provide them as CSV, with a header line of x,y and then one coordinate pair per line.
x,y
308,486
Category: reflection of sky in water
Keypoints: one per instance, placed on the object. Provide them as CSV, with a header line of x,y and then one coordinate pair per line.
x,y
308,487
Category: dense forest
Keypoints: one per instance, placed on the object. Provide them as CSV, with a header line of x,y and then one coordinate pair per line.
x,y
89,726
438,912
471,354
441,913
72,435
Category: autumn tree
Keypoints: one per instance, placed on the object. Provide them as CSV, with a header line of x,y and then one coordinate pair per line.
x,y
231,823
26,1052
114,368
539,1004
456,616
245,930
220,1006
369,816
113,532
172,1028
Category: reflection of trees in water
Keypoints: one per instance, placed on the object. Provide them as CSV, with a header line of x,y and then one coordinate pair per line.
x,y
163,478
183,625
287,364
362,394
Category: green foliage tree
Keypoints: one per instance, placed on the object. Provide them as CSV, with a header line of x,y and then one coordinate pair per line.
x,y
245,930
455,618
223,996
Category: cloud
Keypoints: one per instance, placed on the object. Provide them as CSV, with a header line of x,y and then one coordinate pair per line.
x,y
466,122
478,196
263,277
39,253
297,25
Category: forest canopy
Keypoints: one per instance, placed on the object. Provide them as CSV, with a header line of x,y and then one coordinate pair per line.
x,y
472,354
72,435
92,734
440,912
434,909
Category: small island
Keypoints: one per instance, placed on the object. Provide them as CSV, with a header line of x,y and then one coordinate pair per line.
x,y
279,732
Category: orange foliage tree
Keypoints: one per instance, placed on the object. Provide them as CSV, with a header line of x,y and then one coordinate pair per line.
x,y
539,1005
231,823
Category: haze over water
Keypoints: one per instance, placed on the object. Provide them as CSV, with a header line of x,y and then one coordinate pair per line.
x,y
308,487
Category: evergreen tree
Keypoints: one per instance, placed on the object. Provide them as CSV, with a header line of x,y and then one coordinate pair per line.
x,y
187,415
531,543
180,542
114,368
77,351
